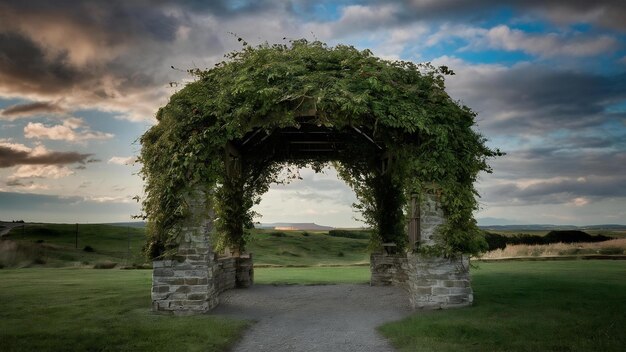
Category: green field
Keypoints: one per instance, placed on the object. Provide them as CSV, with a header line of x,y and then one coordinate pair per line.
x,y
528,306
519,306
306,248
48,309
55,245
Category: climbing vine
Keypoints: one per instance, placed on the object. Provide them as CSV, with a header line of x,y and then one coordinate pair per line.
x,y
426,135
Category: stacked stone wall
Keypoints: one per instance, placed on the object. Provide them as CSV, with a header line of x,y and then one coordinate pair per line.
x,y
225,273
388,269
436,282
245,271
186,284
439,283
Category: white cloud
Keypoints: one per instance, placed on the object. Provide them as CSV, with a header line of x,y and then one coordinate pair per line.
x,y
548,45
505,38
72,130
8,143
41,171
122,160
109,199
580,201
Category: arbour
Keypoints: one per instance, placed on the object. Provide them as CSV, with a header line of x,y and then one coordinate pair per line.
x,y
389,126
426,137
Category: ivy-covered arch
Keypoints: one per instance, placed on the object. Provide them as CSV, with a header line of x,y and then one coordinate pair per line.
x,y
401,107
389,126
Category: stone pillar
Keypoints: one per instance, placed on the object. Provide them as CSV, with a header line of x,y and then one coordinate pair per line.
x,y
245,271
439,283
431,216
388,269
186,284
436,282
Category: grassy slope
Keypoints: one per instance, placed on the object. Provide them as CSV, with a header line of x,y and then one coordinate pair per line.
x,y
110,243
98,310
315,249
528,306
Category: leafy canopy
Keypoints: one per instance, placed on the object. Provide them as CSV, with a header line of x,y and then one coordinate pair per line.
x,y
426,137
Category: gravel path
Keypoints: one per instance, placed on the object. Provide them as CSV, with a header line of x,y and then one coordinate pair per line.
x,y
314,318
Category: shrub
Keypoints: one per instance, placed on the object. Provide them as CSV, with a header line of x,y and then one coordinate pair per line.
x,y
358,234
305,234
573,236
567,236
341,254
495,241
89,249
611,250
278,234
524,238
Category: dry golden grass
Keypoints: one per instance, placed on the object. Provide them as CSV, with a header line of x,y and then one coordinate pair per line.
x,y
617,246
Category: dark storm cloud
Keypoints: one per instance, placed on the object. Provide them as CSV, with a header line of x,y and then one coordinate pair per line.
x,y
11,157
25,67
607,13
537,99
558,174
29,109
114,55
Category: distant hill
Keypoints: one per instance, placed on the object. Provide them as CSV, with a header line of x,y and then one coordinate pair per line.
x,y
135,224
294,226
547,227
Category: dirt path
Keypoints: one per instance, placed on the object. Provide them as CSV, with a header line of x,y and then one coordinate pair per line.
x,y
314,318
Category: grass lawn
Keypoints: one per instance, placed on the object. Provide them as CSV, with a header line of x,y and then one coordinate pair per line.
x,y
312,275
527,306
98,310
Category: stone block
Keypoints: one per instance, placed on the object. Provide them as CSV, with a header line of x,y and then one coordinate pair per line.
x,y
197,296
160,289
441,291
195,281
460,290
183,289
162,272
423,291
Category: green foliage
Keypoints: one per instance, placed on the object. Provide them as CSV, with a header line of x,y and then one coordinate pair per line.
x,y
426,136
496,241
360,234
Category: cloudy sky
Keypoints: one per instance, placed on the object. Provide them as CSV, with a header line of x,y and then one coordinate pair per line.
x,y
80,81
